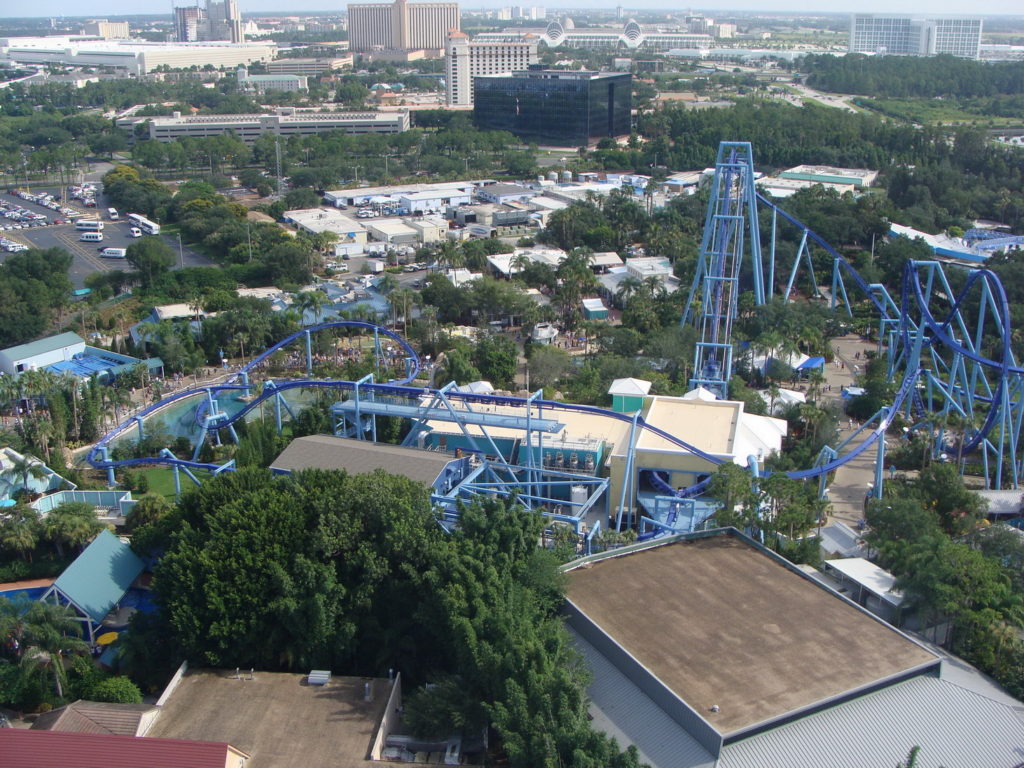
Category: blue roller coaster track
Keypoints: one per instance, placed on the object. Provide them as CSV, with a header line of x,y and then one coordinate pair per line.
x,y
935,340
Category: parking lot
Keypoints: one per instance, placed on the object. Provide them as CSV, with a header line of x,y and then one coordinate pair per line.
x,y
32,232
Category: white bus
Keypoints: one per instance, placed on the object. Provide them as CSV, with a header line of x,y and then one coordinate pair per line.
x,y
112,214
89,225
148,227
91,237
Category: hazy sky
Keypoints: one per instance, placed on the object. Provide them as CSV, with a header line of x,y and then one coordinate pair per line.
x,y
12,8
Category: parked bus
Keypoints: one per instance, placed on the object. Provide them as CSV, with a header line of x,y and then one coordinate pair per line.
x,y
148,227
89,225
112,213
91,237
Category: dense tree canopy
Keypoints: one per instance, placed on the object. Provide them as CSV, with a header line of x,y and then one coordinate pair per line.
x,y
917,76
354,573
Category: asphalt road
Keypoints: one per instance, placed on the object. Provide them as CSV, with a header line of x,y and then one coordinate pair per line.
x,y
86,259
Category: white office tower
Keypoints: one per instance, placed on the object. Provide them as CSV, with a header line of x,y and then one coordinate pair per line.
x,y
466,59
401,26
915,35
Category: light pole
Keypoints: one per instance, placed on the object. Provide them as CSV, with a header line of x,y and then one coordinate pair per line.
x,y
181,254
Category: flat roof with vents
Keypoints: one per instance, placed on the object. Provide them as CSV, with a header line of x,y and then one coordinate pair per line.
x,y
359,457
720,622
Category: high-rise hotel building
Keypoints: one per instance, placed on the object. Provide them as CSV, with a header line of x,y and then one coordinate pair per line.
x,y
219,21
401,25
915,35
466,59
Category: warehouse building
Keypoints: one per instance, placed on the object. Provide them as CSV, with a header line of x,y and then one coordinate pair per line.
x,y
133,57
709,651
861,178
309,67
319,220
286,122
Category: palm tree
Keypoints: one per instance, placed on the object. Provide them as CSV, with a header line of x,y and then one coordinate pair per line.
x,y
148,333
12,619
25,467
311,301
10,390
387,283
400,300
50,632
450,255
627,288
654,286
71,523
20,532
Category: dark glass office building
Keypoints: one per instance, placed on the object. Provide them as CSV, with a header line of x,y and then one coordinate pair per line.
x,y
554,106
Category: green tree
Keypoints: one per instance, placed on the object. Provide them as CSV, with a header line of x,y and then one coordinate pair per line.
x,y
152,257
497,358
312,303
50,632
72,523
151,509
456,367
732,486
547,365
20,532
118,690
24,469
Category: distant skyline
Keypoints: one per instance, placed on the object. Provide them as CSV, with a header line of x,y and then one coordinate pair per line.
x,y
100,8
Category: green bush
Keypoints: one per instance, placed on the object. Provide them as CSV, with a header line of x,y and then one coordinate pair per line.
x,y
83,676
119,690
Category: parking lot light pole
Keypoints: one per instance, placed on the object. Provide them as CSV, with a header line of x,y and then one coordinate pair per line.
x,y
181,255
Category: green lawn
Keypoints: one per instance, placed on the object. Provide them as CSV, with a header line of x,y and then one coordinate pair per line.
x,y
161,480
934,111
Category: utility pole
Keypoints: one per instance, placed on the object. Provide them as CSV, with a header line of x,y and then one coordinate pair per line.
x,y
181,254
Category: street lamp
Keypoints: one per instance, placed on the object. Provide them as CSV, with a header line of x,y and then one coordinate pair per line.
x,y
181,255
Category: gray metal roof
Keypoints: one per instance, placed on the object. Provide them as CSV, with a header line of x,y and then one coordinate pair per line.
x,y
43,346
620,709
359,457
953,726
841,539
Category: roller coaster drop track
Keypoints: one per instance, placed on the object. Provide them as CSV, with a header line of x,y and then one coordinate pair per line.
x,y
940,355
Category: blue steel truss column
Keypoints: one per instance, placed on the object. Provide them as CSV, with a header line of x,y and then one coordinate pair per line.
x,y
731,231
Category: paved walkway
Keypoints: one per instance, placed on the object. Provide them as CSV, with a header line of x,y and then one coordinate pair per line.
x,y
27,584
849,486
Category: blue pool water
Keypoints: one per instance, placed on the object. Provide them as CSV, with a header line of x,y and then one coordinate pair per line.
x,y
139,599
32,593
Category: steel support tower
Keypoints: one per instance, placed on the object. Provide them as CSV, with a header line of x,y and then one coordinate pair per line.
x,y
731,235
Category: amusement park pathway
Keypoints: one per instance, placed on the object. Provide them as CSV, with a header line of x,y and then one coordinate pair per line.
x,y
849,487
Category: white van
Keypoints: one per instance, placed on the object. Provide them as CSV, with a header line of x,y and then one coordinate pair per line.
x,y
112,213
135,232
91,237
114,253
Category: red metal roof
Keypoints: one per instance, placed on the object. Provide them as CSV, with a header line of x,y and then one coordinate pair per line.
x,y
53,749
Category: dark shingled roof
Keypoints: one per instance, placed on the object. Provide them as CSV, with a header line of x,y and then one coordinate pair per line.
x,y
360,457
94,717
